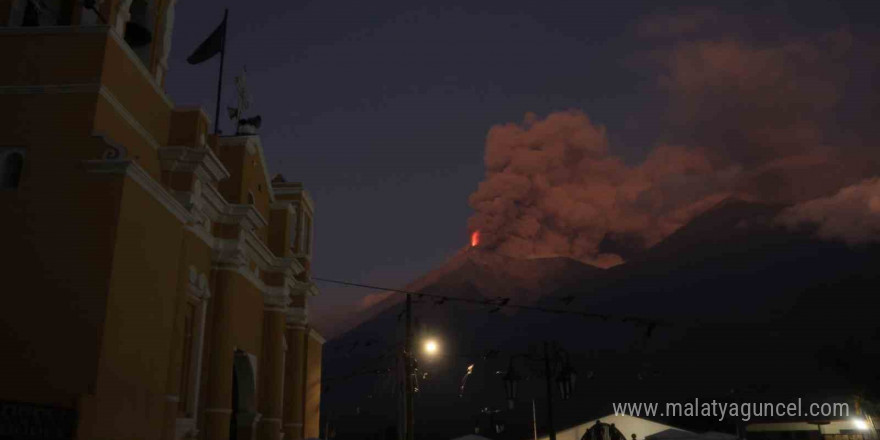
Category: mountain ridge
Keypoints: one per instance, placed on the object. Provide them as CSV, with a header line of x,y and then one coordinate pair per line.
x,y
747,303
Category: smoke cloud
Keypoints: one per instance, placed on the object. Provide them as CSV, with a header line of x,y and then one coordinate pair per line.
x,y
852,215
744,120
553,188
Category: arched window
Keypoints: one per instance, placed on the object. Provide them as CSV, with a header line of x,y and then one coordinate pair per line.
x,y
10,173
31,14
43,12
139,29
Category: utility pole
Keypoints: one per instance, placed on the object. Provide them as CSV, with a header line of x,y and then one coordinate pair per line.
x,y
408,374
548,375
534,420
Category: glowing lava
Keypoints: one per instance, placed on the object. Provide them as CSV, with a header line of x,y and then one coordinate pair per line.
x,y
475,238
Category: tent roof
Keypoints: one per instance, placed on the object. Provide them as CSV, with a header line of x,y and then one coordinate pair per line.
x,y
471,437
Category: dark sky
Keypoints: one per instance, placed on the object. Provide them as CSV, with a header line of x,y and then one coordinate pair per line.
x,y
382,108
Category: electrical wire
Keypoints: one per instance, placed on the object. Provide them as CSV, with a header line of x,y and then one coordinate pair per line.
x,y
499,303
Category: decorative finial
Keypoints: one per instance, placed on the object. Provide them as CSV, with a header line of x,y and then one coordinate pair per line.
x,y
243,125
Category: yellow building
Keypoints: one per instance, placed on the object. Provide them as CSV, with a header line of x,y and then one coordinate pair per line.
x,y
155,280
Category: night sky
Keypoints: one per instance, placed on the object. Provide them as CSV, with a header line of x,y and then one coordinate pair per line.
x,y
382,108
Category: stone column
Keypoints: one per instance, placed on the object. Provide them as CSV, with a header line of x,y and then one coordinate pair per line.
x,y
295,375
218,407
272,374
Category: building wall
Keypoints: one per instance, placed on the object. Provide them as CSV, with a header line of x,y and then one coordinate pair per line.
x,y
314,349
247,316
57,280
101,271
130,396
55,288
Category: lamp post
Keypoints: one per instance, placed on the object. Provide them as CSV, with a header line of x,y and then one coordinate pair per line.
x,y
557,365
430,348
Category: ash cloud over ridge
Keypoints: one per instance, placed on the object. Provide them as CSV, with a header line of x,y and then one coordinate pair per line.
x,y
758,120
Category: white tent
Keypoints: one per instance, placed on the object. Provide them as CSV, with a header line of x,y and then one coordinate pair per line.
x,y
471,437
627,425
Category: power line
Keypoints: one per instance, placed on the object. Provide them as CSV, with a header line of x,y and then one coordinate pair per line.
x,y
502,302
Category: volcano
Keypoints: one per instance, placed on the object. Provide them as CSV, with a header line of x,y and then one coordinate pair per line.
x,y
749,310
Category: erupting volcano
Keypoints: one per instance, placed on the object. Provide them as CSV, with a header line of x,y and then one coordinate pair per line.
x,y
475,238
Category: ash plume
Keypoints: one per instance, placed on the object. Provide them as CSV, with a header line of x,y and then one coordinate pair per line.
x,y
852,215
750,120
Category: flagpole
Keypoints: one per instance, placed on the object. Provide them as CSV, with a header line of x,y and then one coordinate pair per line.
x,y
220,79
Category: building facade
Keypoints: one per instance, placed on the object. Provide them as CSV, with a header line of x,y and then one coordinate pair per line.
x,y
156,280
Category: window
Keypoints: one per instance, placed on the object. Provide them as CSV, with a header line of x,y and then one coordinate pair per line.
x,y
31,14
43,12
293,234
11,167
191,344
250,198
139,29
307,235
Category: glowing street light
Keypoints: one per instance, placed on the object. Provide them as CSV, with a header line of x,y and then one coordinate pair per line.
x,y
431,347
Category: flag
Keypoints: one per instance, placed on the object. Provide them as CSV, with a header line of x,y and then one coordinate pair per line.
x,y
213,45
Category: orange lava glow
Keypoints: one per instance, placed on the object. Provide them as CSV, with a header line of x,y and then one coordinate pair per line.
x,y
475,238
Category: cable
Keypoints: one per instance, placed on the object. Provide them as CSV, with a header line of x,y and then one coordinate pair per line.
x,y
499,303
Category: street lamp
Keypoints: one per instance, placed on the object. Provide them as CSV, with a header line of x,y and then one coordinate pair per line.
x,y
431,347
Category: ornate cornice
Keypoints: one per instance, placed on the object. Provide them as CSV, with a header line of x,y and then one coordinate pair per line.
x,y
201,161
137,174
286,205
276,297
229,254
295,188
296,317
244,214
301,288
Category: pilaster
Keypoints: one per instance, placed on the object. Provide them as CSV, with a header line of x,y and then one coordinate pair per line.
x,y
295,374
218,408
272,374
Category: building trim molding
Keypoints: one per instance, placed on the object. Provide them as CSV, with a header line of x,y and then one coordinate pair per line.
x,y
129,118
200,161
295,188
253,146
137,174
139,65
285,205
50,88
297,317
34,30
316,336
193,108
98,88
94,29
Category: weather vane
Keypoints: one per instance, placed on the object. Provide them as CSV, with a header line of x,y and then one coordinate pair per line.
x,y
236,114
